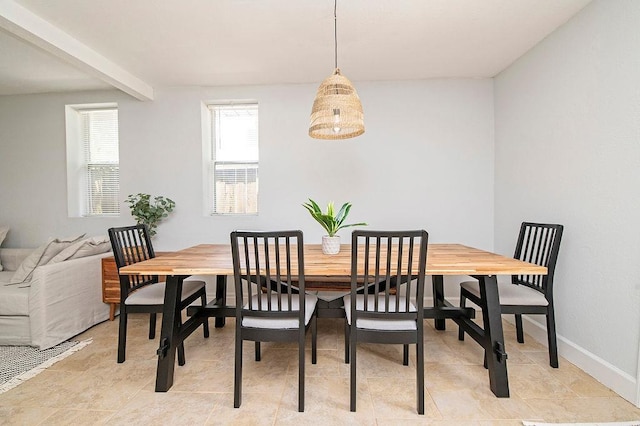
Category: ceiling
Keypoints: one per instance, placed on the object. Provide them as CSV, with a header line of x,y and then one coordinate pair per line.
x,y
135,46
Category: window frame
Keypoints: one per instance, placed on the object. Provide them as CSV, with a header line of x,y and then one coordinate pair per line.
x,y
211,140
78,165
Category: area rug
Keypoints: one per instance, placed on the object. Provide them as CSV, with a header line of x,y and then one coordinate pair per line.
x,y
20,363
632,423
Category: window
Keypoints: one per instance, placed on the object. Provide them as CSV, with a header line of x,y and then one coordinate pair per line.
x,y
93,172
233,169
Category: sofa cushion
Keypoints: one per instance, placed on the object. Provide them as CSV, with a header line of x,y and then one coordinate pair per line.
x,y
5,277
3,233
83,248
14,300
41,256
12,258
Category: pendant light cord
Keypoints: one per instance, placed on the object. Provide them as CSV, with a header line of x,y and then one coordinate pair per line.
x,y
335,30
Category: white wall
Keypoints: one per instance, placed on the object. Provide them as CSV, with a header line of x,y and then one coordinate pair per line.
x,y
568,151
426,160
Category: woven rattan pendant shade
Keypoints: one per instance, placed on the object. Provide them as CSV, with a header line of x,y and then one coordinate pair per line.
x,y
337,110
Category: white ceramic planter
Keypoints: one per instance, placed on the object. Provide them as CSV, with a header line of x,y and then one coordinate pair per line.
x,y
330,245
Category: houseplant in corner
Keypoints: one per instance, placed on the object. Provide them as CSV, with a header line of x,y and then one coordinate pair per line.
x,y
332,222
149,212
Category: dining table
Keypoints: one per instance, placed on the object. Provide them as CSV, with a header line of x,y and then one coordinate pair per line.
x,y
327,270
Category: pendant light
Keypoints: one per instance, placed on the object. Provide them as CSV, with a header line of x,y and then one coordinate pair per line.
x,y
337,111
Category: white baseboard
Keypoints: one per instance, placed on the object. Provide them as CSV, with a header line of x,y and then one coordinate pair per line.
x,y
609,375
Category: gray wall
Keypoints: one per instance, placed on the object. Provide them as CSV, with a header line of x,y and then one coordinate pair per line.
x,y
425,161
568,151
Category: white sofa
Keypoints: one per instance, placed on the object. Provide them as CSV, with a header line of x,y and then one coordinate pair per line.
x,y
61,299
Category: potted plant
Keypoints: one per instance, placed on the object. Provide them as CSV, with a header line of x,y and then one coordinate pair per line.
x,y
332,222
149,212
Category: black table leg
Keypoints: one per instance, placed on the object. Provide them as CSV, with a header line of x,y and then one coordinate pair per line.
x,y
169,335
494,337
438,299
221,297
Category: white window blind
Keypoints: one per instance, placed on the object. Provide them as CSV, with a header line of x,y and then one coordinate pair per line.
x,y
99,134
234,158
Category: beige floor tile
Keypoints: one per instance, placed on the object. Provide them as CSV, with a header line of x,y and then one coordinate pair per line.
x,y
167,408
533,381
219,345
326,403
329,363
256,409
459,405
12,415
529,345
380,361
572,377
396,398
437,350
455,377
89,387
463,352
196,376
590,409
427,422
42,390
78,417
512,408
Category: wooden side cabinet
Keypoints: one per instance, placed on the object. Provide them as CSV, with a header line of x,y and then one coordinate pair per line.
x,y
110,285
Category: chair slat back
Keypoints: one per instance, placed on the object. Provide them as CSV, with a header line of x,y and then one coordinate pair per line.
x,y
268,272
381,263
132,244
538,243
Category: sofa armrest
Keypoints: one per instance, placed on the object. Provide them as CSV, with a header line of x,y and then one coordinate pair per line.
x,y
65,299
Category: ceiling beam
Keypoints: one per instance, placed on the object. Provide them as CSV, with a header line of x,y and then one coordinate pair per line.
x,y
31,28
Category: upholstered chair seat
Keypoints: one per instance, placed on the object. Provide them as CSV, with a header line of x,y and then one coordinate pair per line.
x,y
511,294
281,323
381,324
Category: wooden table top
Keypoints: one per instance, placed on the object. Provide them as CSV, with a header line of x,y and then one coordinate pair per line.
x,y
442,259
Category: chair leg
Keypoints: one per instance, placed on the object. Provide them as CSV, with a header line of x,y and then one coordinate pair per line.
x,y
352,360
551,338
205,320
420,374
301,340
405,354
346,342
181,360
237,377
122,334
258,354
463,304
519,330
152,326
314,340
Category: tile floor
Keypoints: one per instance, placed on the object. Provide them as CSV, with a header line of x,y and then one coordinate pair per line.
x,y
89,387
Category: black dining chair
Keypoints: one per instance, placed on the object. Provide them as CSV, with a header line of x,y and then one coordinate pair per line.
x,y
387,268
145,293
537,243
271,303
